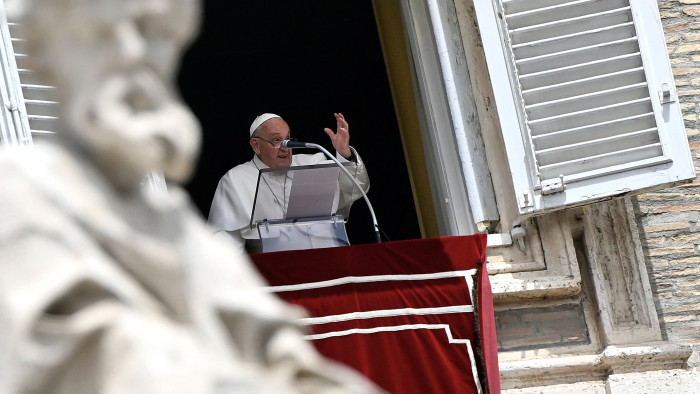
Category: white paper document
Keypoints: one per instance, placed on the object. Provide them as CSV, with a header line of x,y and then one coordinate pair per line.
x,y
312,193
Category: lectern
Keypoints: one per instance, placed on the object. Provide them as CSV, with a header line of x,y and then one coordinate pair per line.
x,y
297,207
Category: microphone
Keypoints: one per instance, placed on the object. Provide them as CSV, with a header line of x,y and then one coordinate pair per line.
x,y
289,144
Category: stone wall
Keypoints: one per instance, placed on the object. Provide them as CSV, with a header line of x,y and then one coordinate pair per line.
x,y
539,328
670,219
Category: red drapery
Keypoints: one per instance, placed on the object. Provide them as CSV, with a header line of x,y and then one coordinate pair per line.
x,y
402,313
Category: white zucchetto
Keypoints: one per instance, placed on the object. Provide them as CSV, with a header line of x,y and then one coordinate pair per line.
x,y
260,120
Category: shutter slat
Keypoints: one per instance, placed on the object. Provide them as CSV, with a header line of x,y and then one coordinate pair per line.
x,y
596,147
600,162
41,107
580,71
515,6
41,117
588,102
570,26
590,117
557,12
597,173
589,38
577,56
584,86
595,131
41,102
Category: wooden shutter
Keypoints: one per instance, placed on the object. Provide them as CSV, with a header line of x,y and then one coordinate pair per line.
x,y
586,99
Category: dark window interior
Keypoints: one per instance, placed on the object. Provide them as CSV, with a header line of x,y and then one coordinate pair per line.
x,y
303,60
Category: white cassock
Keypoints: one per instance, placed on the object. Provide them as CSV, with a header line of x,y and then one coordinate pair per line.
x,y
233,200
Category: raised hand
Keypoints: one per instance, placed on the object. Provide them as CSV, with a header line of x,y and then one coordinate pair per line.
x,y
341,137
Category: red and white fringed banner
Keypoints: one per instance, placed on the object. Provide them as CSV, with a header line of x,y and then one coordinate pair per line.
x,y
413,316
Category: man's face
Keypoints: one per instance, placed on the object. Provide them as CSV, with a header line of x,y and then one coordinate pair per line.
x,y
272,130
113,63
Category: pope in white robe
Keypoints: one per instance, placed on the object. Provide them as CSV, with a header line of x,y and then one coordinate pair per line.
x,y
232,205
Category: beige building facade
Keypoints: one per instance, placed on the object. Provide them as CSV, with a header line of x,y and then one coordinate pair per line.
x,y
616,308
601,296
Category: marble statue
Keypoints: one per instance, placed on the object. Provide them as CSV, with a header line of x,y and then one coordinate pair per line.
x,y
106,288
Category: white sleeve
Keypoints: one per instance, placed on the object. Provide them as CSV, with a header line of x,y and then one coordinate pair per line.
x,y
233,201
348,190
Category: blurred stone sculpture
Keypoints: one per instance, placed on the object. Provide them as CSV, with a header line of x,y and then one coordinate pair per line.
x,y
105,288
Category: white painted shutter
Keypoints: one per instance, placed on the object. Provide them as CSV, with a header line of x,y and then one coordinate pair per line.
x,y
14,126
586,99
37,99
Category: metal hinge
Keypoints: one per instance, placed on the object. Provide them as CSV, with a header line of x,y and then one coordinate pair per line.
x,y
665,94
554,185
526,200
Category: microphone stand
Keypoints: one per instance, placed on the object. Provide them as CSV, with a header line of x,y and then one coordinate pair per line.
x,y
295,144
